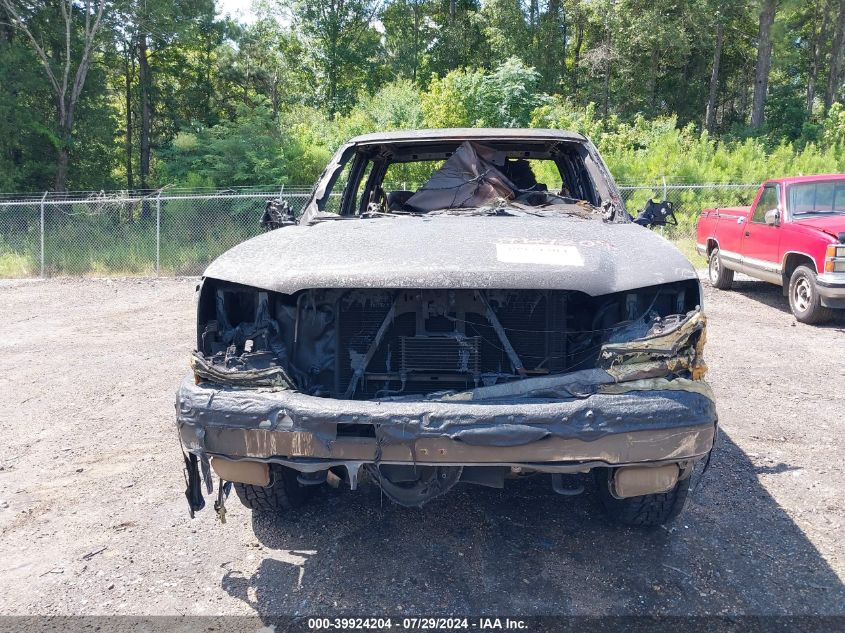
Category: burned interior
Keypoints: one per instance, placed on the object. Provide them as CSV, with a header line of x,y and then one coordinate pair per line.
x,y
374,343
472,176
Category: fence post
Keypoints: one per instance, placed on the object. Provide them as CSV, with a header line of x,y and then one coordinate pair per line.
x,y
665,191
158,233
43,198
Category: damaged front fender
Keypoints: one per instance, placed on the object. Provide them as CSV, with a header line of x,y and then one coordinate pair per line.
x,y
669,349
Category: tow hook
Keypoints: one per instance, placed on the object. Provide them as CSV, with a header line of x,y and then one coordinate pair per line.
x,y
220,505
559,488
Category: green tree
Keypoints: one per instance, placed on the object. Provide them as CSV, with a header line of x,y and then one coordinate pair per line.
x,y
174,45
64,43
459,41
245,151
343,45
505,97
270,61
407,35
506,30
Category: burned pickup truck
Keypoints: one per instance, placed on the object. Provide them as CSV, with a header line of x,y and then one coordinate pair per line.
x,y
507,318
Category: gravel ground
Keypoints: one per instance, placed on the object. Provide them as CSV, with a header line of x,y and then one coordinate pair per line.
x,y
93,519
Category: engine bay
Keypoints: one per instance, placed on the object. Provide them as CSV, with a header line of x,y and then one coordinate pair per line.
x,y
376,344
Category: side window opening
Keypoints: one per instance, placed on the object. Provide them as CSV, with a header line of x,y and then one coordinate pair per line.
x,y
410,176
768,201
357,202
547,172
333,203
348,186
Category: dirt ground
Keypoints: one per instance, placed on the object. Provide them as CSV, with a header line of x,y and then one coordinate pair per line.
x,y
93,519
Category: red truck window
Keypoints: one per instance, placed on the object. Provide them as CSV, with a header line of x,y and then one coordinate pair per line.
x,y
768,201
817,197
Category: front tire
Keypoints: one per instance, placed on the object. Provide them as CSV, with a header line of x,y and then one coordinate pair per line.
x,y
283,494
720,277
645,511
804,299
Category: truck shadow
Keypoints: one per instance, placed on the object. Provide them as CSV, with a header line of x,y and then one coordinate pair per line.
x,y
772,296
526,551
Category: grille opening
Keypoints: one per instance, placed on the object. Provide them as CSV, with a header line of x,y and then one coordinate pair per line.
x,y
381,343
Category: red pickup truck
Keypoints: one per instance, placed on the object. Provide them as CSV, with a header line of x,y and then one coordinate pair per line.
x,y
793,235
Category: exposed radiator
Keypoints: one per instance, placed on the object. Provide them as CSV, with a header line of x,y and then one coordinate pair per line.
x,y
446,354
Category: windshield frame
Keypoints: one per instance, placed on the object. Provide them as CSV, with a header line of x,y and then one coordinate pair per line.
x,y
595,172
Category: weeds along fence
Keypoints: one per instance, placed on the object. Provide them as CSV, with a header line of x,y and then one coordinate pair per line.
x,y
179,232
172,232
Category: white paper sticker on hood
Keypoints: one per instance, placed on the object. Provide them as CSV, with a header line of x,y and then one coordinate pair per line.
x,y
544,254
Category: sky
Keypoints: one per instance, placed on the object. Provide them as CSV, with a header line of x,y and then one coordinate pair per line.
x,y
240,10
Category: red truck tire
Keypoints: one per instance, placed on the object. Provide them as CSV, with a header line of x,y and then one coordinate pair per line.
x,y
720,277
804,297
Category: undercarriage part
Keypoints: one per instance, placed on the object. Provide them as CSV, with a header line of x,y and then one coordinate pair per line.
x,y
312,479
648,510
366,344
632,481
559,487
489,476
283,494
413,486
241,471
220,504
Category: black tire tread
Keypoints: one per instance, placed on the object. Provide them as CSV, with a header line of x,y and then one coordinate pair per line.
x,y
283,494
817,313
647,510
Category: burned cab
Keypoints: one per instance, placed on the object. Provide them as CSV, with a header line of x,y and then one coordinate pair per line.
x,y
452,307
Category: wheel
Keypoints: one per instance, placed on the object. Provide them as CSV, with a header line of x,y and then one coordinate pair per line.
x,y
645,511
720,277
284,492
804,297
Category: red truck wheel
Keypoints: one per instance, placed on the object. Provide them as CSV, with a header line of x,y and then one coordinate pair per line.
x,y
720,277
804,297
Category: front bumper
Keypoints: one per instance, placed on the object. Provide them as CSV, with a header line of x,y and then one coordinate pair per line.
x,y
831,288
617,426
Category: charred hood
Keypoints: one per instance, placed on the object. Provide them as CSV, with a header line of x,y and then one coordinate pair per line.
x,y
557,253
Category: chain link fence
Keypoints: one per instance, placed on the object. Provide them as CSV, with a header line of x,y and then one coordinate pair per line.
x,y
179,232
688,201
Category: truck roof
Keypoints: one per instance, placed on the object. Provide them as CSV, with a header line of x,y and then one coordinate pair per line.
x,y
464,134
794,179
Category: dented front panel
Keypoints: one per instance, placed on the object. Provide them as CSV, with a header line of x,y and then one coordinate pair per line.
x,y
643,401
459,345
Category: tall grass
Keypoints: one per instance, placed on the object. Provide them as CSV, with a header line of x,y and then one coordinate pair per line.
x,y
105,245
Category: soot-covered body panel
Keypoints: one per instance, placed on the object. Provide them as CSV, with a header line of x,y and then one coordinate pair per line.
x,y
563,253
